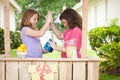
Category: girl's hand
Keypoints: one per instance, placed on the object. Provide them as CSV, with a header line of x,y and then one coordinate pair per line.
x,y
51,21
45,51
53,45
48,17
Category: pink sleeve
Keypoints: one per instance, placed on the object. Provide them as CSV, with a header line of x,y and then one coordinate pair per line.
x,y
77,34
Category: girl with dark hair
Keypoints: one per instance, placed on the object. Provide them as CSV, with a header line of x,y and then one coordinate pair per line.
x,y
73,23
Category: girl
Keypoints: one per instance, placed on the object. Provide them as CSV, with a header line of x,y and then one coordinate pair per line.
x,y
30,35
73,23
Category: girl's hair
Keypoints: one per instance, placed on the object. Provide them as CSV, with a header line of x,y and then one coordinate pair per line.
x,y
73,18
26,18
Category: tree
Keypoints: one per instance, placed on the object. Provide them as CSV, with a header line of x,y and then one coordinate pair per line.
x,y
42,6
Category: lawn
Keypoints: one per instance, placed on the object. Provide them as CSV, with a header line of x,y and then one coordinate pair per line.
x,y
56,54
104,76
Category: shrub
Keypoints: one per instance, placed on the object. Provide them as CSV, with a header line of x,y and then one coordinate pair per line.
x,y
1,41
15,40
105,40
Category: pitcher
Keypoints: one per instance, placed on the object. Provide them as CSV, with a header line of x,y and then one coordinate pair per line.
x,y
71,49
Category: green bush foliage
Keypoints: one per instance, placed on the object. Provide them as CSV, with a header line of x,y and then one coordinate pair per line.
x,y
15,40
105,40
1,41
111,52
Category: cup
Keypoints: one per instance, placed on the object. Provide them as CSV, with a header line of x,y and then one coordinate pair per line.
x,y
47,46
71,49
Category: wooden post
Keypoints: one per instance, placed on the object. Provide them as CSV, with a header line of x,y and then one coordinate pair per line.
x,y
6,27
84,28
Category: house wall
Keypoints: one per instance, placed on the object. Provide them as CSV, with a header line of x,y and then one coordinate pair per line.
x,y
12,19
1,14
12,16
97,13
100,10
113,8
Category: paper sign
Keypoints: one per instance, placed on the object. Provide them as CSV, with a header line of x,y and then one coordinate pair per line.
x,y
35,76
32,68
42,72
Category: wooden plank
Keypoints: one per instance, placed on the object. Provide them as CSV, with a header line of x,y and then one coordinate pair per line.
x,y
23,71
52,60
79,70
37,63
93,70
84,28
7,27
2,70
65,70
11,70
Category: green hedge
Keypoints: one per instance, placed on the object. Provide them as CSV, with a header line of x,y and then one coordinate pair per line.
x,y
15,40
105,40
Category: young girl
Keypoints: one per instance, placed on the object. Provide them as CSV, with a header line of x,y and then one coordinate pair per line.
x,y
73,23
30,35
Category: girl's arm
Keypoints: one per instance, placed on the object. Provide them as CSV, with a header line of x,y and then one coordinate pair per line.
x,y
45,51
37,33
56,31
57,48
41,32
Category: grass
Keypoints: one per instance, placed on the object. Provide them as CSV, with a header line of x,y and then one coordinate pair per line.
x,y
90,53
55,54
104,76
13,53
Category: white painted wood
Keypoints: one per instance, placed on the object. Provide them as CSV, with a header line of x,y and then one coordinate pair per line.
x,y
93,70
11,71
23,71
84,28
2,70
68,69
65,70
79,71
7,27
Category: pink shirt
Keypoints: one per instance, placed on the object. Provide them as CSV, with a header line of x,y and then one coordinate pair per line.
x,y
75,33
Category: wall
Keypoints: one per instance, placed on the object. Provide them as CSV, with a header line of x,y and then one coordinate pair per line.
x,y
1,13
100,10
12,19
97,13
113,8
12,16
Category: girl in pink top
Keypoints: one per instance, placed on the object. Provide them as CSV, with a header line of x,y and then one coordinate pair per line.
x,y
73,23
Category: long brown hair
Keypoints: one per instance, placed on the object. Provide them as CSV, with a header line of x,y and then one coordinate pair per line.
x,y
73,18
26,18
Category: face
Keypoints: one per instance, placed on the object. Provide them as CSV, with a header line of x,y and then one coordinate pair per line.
x,y
65,23
34,20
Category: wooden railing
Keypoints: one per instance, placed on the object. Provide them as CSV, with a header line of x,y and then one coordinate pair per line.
x,y
69,69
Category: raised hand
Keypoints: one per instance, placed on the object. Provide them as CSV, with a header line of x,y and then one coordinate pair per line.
x,y
48,17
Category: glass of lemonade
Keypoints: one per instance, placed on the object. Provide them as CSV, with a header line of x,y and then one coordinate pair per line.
x,y
71,49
